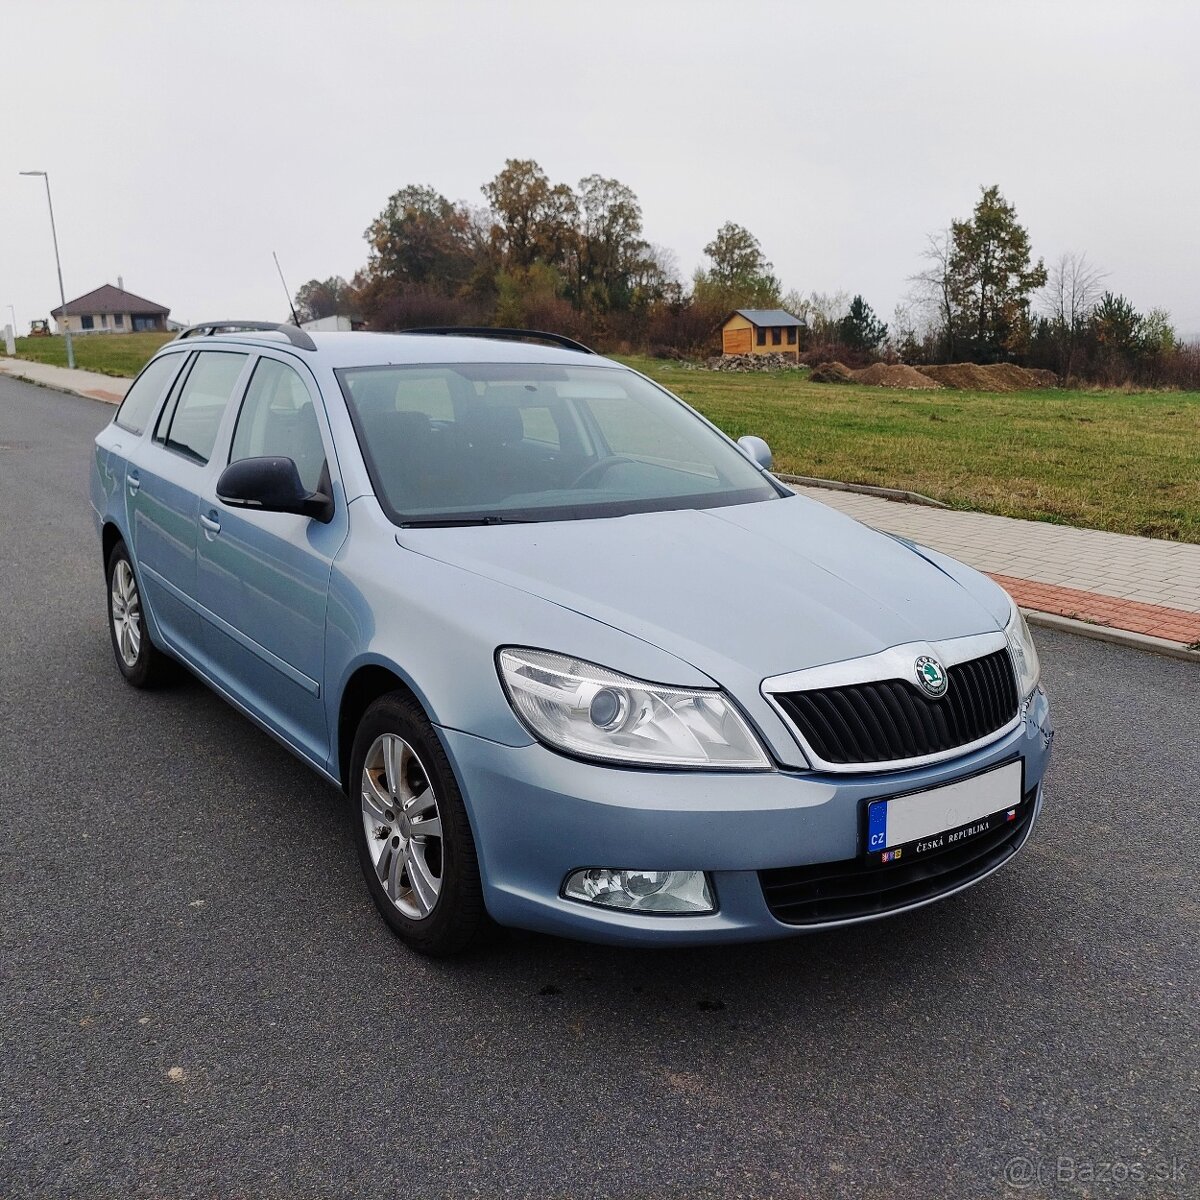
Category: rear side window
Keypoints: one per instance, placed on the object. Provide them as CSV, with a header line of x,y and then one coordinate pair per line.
x,y
138,405
537,425
629,426
278,419
201,403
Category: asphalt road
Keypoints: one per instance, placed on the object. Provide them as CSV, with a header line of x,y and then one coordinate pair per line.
x,y
199,999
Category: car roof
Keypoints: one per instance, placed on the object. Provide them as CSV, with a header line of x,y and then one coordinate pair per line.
x,y
380,349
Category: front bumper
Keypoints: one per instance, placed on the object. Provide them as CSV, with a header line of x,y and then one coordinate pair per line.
x,y
538,815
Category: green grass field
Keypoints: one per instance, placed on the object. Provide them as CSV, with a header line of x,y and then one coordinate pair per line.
x,y
1103,460
109,354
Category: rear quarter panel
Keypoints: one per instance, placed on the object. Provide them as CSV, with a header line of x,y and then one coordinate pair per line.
x,y
107,479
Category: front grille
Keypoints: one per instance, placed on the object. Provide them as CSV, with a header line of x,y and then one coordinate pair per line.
x,y
842,891
889,720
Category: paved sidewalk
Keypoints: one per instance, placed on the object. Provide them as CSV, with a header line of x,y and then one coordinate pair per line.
x,y
83,383
1142,585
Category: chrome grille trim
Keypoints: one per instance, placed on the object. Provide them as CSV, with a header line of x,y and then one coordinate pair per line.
x,y
894,663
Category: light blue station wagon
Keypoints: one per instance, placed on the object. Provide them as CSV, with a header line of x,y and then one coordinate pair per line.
x,y
582,664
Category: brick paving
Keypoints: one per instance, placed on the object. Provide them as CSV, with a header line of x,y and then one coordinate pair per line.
x,y
1155,620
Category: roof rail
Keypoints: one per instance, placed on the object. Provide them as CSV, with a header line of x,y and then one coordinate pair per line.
x,y
488,331
298,337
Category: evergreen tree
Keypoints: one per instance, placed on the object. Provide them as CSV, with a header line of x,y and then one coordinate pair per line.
x,y
991,278
860,329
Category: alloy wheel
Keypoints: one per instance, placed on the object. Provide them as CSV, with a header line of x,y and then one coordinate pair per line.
x,y
403,826
126,613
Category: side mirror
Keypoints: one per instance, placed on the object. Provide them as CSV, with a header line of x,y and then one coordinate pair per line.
x,y
757,451
271,485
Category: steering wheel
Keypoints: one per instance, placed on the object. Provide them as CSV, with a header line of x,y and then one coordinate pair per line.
x,y
598,468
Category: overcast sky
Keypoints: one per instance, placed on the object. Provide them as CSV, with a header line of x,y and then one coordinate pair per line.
x,y
186,141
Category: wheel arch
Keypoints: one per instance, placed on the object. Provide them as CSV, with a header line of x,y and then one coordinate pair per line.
x,y
110,535
366,683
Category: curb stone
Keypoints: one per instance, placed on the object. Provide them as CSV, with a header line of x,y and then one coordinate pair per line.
x,y
1107,633
866,489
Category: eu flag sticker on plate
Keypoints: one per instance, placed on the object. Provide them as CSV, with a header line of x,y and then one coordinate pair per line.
x,y
877,827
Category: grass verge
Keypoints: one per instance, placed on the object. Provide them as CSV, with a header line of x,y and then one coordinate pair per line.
x,y
1102,460
120,354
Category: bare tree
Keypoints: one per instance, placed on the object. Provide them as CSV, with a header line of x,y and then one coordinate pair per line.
x,y
1072,289
916,329
933,287
828,308
796,304
822,312
665,263
1071,293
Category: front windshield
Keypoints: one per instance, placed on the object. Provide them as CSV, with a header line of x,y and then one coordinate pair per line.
x,y
484,442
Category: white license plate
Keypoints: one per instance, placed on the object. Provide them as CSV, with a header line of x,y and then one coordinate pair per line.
x,y
943,816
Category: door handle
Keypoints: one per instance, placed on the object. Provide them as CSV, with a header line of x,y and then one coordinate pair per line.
x,y
211,524
134,482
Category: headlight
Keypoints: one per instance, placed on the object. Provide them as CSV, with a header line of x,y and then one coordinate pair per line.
x,y
594,712
1024,655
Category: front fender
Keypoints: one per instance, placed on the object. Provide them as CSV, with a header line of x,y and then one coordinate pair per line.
x,y
438,626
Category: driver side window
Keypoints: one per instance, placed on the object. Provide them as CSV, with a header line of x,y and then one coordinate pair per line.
x,y
278,419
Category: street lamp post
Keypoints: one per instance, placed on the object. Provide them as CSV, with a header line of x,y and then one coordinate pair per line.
x,y
58,263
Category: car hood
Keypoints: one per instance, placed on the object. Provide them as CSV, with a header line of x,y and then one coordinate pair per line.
x,y
741,592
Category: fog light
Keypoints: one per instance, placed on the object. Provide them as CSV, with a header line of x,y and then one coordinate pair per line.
x,y
642,891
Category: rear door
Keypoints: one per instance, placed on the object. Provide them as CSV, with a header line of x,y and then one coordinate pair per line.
x,y
116,443
164,479
263,578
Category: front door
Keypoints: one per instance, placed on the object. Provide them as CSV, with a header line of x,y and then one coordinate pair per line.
x,y
263,578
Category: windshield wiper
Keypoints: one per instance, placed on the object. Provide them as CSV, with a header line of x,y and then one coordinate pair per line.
x,y
451,522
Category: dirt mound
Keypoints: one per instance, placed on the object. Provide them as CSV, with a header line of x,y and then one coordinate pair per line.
x,y
889,375
967,377
995,377
1012,377
893,375
831,372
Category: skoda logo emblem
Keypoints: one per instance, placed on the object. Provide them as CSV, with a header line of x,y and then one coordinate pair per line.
x,y
931,675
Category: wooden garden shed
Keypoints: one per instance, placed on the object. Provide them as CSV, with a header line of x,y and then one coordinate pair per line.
x,y
762,331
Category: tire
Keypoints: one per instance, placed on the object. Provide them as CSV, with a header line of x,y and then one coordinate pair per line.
x,y
411,830
142,663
